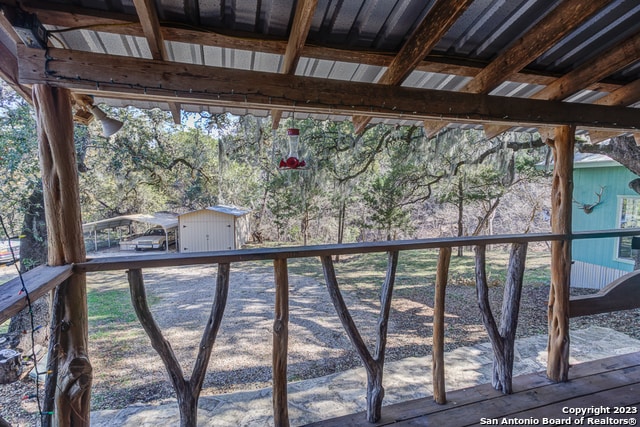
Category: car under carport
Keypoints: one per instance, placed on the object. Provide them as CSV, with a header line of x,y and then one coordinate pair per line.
x,y
166,221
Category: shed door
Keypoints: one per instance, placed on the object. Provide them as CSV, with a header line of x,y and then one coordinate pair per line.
x,y
206,233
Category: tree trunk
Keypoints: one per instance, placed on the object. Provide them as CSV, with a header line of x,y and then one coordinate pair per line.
x,y
305,225
66,245
487,219
622,149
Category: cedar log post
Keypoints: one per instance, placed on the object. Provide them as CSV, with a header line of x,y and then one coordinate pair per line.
x,y
280,344
561,196
437,367
66,245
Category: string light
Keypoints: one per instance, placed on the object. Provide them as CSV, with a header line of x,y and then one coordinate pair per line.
x,y
233,94
33,327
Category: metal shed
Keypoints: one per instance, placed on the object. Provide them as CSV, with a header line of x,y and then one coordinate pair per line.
x,y
214,228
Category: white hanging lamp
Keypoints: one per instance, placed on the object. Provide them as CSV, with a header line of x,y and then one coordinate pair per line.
x,y
109,126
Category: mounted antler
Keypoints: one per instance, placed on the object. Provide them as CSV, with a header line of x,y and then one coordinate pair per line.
x,y
588,208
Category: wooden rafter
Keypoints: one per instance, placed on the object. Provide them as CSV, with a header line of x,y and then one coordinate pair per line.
x,y
432,127
618,57
540,38
596,136
442,15
624,96
146,10
120,77
491,131
305,10
175,112
8,60
120,23
9,72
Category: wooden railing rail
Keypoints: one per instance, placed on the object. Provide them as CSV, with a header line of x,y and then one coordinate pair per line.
x,y
621,294
244,255
37,282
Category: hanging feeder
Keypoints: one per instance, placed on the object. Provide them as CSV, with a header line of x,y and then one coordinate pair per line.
x,y
292,161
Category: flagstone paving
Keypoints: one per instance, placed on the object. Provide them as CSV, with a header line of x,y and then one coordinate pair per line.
x,y
345,392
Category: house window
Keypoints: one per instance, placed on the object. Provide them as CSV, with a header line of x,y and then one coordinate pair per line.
x,y
628,217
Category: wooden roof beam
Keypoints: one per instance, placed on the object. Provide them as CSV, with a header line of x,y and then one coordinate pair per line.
x,y
442,15
125,77
540,38
146,10
305,9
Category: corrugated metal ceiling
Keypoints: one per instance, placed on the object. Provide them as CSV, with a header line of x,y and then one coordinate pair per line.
x,y
484,30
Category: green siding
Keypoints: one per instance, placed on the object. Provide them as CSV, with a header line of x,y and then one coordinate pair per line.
x,y
587,182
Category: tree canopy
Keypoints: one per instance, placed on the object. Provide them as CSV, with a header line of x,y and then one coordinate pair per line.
x,y
385,183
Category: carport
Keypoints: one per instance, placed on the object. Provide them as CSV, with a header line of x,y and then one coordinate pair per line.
x,y
165,220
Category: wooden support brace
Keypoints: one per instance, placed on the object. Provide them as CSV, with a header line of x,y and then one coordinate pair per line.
x,y
187,391
373,364
503,337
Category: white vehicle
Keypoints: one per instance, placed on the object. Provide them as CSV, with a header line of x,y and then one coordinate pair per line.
x,y
6,257
153,238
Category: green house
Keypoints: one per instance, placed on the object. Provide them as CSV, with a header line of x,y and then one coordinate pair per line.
x,y
602,200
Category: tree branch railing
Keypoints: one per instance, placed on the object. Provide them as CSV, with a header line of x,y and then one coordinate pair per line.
x,y
188,390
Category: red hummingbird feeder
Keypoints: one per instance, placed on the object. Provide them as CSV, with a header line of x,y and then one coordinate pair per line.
x,y
292,161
